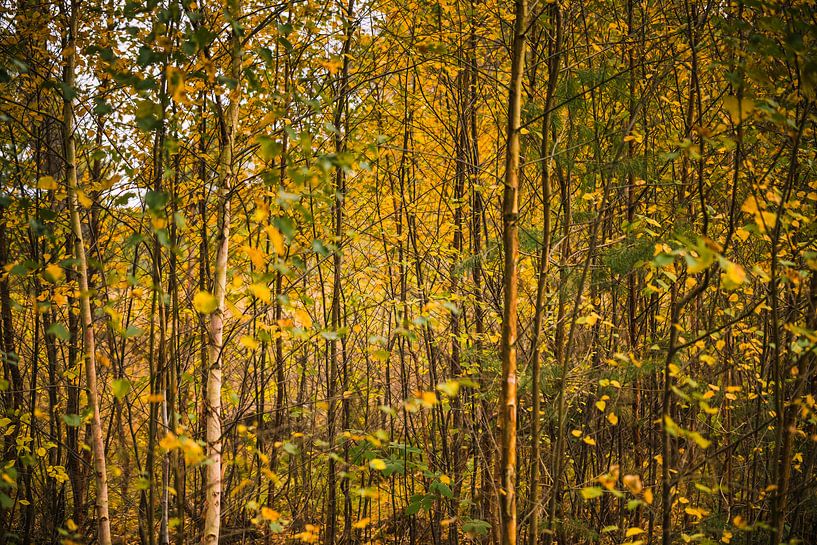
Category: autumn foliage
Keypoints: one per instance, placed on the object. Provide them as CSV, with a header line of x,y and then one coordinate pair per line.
x,y
408,272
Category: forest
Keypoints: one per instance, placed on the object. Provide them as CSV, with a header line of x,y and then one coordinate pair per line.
x,y
408,272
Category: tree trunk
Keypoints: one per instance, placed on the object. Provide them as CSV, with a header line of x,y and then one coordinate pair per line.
x,y
229,125
97,445
510,244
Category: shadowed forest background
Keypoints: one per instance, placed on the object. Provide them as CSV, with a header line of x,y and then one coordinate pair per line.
x,y
408,272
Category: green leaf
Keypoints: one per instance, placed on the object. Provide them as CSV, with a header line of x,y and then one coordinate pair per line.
x,y
132,331
590,492
476,527
72,420
269,148
442,489
291,448
59,331
320,248
121,387
156,200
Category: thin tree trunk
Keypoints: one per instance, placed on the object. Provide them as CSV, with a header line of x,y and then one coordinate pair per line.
x,y
544,258
97,444
510,244
226,175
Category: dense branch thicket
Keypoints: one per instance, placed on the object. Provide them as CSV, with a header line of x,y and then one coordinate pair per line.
x,y
408,271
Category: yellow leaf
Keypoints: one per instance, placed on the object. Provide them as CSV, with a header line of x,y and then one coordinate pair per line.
x,y
766,221
276,238
261,291
445,479
576,433
84,199
590,492
612,419
48,183
699,439
193,452
304,318
633,532
362,523
733,276
601,405
205,302
270,514
648,496
696,512
377,464
176,85
169,442
589,440
256,256
738,110
428,399
54,273
248,342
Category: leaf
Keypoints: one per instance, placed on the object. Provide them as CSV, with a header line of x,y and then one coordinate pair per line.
x,y
428,399
269,148
132,331
47,183
72,420
738,110
169,441
270,514
589,440
612,419
442,489
54,273
633,532
177,85
121,387
205,302
697,512
450,388
476,528
303,317
83,199
256,255
699,439
261,291
362,523
377,464
59,331
248,342
590,492
733,276
633,483
277,239
413,508
156,200
320,248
